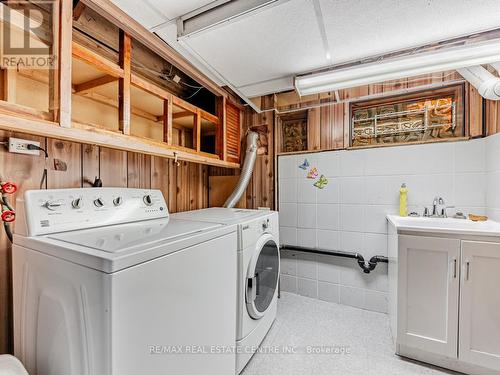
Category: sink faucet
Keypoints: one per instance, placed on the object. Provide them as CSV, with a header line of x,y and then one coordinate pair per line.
x,y
439,208
438,201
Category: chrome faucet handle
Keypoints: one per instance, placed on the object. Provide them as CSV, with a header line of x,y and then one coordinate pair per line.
x,y
426,212
438,200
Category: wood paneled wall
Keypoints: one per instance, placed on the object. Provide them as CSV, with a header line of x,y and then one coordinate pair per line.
x,y
492,117
328,124
185,187
260,191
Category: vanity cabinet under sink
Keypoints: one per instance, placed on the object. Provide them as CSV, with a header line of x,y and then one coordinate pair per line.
x,y
479,323
444,297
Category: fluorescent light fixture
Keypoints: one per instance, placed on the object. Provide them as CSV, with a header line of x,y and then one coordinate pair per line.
x,y
446,58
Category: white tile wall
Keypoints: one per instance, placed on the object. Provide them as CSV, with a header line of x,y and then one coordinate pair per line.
x,y
493,176
349,213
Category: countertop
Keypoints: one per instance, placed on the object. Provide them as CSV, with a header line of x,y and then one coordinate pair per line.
x,y
487,228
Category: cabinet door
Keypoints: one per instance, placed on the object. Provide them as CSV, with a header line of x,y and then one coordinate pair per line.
x,y
232,138
428,290
480,304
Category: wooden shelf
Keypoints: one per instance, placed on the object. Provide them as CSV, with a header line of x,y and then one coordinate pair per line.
x,y
87,134
97,99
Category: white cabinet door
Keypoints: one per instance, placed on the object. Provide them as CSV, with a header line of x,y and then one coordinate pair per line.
x,y
428,290
480,304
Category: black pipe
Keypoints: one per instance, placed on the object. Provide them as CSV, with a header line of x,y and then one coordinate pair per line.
x,y
6,225
367,267
8,231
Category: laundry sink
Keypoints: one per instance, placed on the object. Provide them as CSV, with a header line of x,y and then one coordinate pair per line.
x,y
445,225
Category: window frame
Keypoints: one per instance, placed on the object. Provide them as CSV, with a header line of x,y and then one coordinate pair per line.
x,y
458,90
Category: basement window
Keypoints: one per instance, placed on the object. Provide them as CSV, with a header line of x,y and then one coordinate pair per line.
x,y
293,128
426,116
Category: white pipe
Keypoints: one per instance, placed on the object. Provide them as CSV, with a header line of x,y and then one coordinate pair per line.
x,y
496,66
486,83
246,171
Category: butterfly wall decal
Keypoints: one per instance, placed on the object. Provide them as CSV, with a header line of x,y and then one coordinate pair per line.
x,y
304,165
321,183
313,173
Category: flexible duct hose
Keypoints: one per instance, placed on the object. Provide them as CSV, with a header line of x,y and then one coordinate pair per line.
x,y
246,171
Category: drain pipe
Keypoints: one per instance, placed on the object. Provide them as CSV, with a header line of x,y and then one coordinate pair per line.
x,y
246,171
367,267
486,83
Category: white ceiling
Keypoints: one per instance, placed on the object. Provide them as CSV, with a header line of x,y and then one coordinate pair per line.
x,y
260,52
152,13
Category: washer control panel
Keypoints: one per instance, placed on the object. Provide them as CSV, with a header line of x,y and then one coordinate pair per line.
x,y
60,210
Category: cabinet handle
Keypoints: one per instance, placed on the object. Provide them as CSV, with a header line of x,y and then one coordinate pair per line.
x,y
454,268
467,270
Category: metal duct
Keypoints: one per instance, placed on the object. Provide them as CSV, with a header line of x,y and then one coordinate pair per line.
x,y
486,83
246,171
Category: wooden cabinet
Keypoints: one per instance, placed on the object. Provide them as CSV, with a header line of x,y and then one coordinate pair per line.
x,y
233,126
428,304
480,304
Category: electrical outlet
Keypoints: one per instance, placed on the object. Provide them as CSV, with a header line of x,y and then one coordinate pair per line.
x,y
20,146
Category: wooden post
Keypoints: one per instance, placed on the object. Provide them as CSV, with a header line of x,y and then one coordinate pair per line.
x,y
124,83
347,125
167,121
62,93
313,129
474,118
8,81
54,72
197,131
220,141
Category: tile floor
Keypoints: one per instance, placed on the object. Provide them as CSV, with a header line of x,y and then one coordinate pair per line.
x,y
303,322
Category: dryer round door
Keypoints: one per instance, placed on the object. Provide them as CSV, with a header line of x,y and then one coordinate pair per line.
x,y
262,276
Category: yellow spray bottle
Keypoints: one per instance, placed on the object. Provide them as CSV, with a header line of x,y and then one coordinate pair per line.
x,y
403,202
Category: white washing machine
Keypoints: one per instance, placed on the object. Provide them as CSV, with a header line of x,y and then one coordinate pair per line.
x,y
258,272
106,283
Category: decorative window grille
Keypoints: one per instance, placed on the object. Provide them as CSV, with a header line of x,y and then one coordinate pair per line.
x,y
418,117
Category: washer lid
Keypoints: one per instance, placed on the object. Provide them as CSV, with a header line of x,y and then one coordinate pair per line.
x,y
120,238
113,248
221,215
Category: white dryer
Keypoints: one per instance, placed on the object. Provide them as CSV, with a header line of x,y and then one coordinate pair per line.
x,y
106,283
258,272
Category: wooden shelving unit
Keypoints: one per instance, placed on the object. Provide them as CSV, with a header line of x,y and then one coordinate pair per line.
x,y
96,97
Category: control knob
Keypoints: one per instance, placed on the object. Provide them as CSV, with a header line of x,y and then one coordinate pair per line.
x,y
77,203
52,205
98,202
148,200
117,201
265,225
